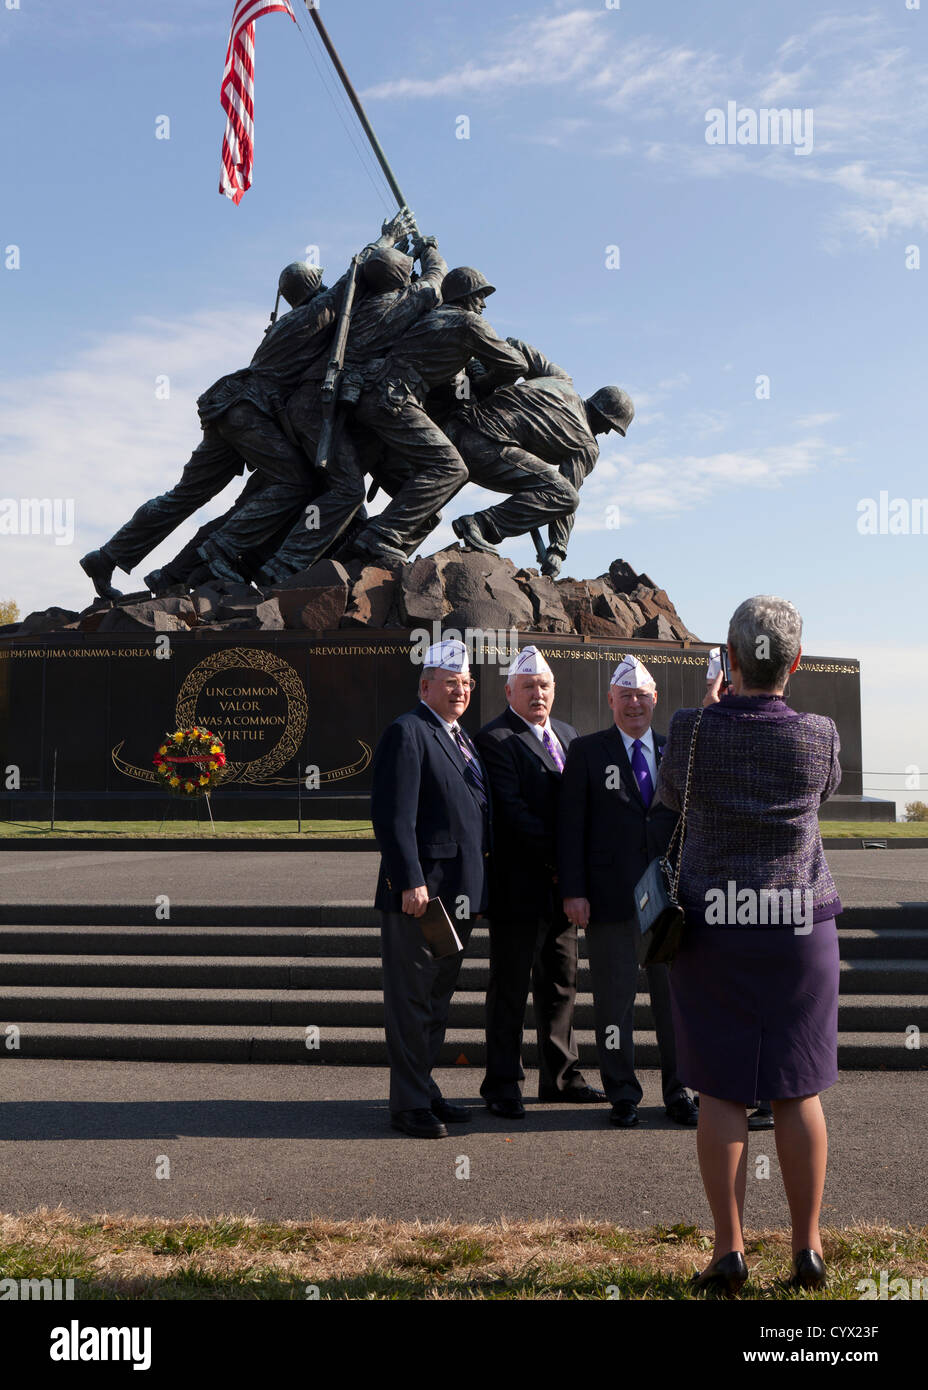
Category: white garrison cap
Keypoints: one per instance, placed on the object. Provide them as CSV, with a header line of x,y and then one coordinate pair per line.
x,y
631,674
529,662
449,655
715,664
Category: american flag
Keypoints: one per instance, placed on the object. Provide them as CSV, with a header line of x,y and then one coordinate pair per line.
x,y
237,95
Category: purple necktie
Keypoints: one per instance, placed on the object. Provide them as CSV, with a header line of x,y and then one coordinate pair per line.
x,y
553,749
642,775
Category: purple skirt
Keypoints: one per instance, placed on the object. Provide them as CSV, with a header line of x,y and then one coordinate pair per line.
x,y
755,1011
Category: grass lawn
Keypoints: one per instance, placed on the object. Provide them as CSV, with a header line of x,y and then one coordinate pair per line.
x,y
230,1258
185,823
873,830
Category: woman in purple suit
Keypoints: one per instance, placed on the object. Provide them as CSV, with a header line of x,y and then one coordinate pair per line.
x,y
754,987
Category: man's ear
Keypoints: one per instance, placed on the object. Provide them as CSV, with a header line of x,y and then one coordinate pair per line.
x,y
796,662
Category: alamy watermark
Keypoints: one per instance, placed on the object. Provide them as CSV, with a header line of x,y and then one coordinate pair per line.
x,y
732,906
485,646
38,516
902,516
743,125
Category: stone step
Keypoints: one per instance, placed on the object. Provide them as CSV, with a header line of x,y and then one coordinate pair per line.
x,y
896,976
341,941
359,1046
905,916
351,1009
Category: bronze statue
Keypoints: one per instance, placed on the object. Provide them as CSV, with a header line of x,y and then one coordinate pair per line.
x,y
536,441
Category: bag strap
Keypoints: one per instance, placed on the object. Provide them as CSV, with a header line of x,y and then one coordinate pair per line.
x,y
680,827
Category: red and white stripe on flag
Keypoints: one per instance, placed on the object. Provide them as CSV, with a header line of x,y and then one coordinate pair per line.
x,y
237,95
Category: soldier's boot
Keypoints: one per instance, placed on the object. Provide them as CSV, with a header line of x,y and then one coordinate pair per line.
x,y
467,529
273,571
369,545
219,565
161,582
98,568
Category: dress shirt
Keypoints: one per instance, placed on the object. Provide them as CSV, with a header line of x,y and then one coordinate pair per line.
x,y
448,728
539,730
647,748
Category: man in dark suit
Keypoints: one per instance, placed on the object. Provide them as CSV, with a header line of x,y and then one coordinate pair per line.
x,y
608,832
523,751
430,809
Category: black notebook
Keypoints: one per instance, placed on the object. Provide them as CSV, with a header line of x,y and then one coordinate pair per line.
x,y
438,930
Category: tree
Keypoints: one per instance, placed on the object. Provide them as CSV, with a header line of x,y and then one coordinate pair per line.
x,y
916,810
9,611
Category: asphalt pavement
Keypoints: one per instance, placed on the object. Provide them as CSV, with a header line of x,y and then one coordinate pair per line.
x,y
865,877
296,1142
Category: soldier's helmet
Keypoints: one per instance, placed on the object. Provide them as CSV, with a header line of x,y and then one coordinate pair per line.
x,y
462,281
298,281
386,269
614,405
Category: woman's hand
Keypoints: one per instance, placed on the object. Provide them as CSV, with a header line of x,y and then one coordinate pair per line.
x,y
713,691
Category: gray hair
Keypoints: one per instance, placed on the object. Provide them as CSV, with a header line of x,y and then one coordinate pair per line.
x,y
765,633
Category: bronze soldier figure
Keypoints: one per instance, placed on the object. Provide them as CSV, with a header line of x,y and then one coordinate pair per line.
x,y
392,407
536,441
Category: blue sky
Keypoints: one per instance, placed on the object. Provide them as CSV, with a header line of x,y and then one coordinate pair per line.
x,y
587,131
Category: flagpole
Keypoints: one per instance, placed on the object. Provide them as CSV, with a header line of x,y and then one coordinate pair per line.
x,y
356,103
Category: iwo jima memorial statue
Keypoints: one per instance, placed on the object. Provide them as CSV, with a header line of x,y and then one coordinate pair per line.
x,y
289,624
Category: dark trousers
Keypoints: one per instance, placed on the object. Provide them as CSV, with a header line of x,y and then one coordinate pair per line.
x,y
341,486
543,952
613,979
417,992
538,492
244,434
287,481
436,470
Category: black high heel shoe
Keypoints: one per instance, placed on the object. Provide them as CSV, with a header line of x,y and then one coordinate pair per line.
x,y
808,1271
725,1275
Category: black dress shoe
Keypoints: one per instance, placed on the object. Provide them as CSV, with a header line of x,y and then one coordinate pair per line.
x,y
808,1271
451,1114
724,1276
574,1095
624,1114
683,1112
761,1118
421,1124
507,1109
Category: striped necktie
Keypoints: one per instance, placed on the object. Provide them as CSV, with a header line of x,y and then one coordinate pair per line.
x,y
473,772
553,749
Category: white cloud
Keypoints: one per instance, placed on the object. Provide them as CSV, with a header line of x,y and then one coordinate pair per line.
x,y
861,76
554,49
670,484
94,431
814,422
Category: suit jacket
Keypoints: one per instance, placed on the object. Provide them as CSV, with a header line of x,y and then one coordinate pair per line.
x,y
760,772
606,835
525,784
429,823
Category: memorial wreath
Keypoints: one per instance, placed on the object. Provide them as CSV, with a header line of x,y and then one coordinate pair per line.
x,y
190,762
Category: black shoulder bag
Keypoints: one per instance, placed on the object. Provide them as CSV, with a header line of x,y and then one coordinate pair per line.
x,y
660,916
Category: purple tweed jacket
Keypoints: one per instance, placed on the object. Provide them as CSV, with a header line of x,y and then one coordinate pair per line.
x,y
760,772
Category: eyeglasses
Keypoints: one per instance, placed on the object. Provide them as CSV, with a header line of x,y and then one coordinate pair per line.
x,y
469,684
625,697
